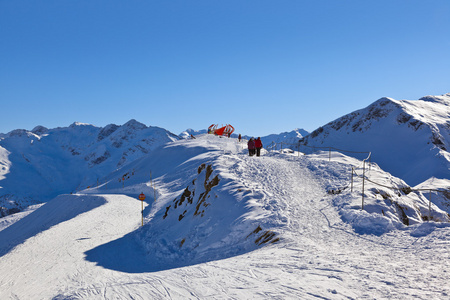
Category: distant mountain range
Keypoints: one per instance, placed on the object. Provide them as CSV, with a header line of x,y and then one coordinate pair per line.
x,y
40,164
409,139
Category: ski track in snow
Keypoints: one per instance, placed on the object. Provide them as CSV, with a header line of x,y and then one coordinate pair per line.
x,y
318,257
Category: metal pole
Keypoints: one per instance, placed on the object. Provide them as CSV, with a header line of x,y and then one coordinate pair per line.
x,y
329,154
429,208
352,181
364,175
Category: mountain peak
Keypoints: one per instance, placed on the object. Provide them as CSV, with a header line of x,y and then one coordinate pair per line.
x,y
443,99
79,124
408,138
135,125
39,130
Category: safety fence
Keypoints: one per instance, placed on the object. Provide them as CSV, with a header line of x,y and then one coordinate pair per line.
x,y
299,146
405,190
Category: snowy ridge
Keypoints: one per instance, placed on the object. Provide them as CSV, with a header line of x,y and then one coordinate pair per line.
x,y
410,139
221,224
290,137
37,165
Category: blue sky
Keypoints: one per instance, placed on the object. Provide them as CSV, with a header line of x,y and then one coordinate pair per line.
x,y
263,66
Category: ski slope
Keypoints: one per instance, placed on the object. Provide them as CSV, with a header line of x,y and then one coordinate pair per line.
x,y
91,245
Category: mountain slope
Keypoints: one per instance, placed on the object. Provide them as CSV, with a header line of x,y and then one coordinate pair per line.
x,y
91,245
38,165
410,139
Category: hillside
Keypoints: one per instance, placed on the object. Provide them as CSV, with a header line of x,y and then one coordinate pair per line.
x,y
410,139
38,165
221,224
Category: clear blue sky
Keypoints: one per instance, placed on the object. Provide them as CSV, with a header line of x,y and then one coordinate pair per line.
x,y
263,66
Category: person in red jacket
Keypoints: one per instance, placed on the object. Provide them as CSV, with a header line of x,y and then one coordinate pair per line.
x,y
258,146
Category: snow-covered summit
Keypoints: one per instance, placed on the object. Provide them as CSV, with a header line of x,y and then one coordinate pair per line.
x,y
188,132
290,137
408,138
39,130
44,163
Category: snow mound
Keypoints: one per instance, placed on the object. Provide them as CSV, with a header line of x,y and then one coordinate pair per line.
x,y
427,228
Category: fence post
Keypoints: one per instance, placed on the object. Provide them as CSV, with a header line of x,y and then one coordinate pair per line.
x,y
352,180
429,207
364,175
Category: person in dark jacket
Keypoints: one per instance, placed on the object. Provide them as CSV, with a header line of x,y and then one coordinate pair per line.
x,y
251,146
258,146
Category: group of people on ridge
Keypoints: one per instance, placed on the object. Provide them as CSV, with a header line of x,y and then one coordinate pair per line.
x,y
254,146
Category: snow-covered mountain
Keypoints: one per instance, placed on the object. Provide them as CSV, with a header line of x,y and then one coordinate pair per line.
x,y
290,137
410,139
221,224
188,132
40,164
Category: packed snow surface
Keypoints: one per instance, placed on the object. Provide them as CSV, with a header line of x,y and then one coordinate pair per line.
x,y
220,224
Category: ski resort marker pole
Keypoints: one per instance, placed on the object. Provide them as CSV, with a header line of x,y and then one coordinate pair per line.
x,y
352,180
429,208
364,175
142,198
